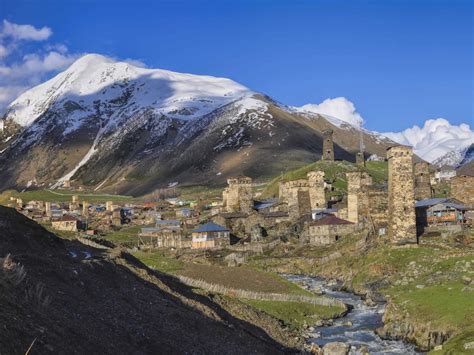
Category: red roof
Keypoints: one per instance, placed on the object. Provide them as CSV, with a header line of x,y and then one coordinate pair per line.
x,y
68,218
329,220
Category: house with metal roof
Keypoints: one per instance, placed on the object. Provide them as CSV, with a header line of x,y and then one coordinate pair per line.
x,y
327,230
439,212
210,235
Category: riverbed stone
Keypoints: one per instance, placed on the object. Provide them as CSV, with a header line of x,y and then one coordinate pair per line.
x,y
469,346
315,349
335,348
466,280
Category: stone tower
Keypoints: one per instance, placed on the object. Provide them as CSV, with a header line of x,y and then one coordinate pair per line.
x,y
85,209
297,194
422,181
357,195
47,208
401,195
360,160
317,196
238,195
109,206
328,145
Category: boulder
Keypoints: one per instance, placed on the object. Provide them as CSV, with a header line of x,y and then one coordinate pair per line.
x,y
336,348
469,346
315,349
466,280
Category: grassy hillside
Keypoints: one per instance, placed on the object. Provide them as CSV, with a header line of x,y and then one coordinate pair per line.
x,y
334,171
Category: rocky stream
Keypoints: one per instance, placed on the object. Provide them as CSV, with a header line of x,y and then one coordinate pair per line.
x,y
357,329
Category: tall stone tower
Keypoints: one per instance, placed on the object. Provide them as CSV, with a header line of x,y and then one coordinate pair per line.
x,y
317,196
328,145
357,195
297,194
401,196
238,195
422,181
47,208
85,209
360,160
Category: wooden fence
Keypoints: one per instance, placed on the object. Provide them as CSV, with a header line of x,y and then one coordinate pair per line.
x,y
219,289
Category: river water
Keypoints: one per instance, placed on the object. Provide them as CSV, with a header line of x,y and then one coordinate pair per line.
x,y
364,319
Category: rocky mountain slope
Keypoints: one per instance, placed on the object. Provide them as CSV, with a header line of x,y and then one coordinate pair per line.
x,y
59,296
111,126
456,158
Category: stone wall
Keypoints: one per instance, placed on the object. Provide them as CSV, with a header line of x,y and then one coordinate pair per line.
x,y
328,145
401,195
462,189
422,181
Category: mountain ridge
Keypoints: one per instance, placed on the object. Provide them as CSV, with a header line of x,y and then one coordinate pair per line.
x,y
114,127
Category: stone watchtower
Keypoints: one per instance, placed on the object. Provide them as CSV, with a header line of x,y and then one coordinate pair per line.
x,y
317,195
360,160
238,197
401,196
357,195
296,193
422,181
328,145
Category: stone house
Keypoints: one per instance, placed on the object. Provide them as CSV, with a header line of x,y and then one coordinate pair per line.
x,y
66,223
162,237
327,230
210,235
462,189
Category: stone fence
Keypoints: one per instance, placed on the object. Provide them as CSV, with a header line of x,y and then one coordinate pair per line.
x,y
99,243
219,289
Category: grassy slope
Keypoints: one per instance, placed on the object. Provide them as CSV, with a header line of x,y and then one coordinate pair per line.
x,y
294,314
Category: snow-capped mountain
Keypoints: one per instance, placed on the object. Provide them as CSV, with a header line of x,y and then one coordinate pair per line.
x,y
456,158
110,125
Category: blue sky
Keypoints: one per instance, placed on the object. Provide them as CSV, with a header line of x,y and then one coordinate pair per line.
x,y
399,62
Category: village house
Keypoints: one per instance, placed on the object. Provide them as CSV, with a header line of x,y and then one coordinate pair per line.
x,y
162,237
444,173
436,212
327,230
210,235
66,223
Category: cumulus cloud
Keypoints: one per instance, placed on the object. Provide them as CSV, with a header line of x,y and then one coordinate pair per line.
x,y
19,70
339,107
436,138
25,32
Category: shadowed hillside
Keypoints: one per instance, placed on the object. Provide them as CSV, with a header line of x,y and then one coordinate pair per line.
x,y
59,296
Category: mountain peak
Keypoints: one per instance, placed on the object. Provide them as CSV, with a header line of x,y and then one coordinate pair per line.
x,y
89,60
96,78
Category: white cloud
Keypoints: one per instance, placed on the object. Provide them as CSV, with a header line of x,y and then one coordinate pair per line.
x,y
25,32
10,93
436,138
339,107
19,71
